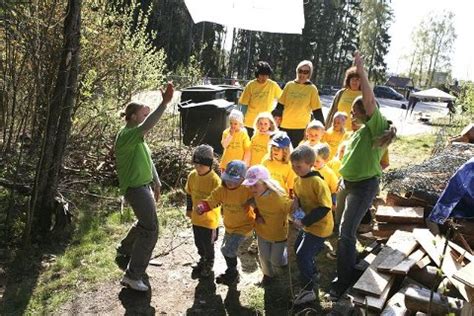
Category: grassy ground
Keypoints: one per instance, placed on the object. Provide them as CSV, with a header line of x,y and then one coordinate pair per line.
x,y
408,150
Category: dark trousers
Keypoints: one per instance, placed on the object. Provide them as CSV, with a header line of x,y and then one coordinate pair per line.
x,y
307,247
296,135
204,239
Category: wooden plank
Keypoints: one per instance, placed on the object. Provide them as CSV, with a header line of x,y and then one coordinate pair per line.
x,y
466,275
461,251
365,263
434,248
373,282
372,302
426,260
418,299
400,214
397,200
396,304
406,243
405,266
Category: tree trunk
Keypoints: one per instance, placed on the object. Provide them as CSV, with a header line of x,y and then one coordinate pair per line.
x,y
58,123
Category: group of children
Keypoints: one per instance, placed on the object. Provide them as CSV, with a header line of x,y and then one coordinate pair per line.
x,y
264,185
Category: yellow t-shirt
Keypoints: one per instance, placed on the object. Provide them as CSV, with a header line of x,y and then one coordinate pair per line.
x,y
274,209
345,104
259,98
237,218
238,145
200,188
298,100
335,165
334,139
329,177
258,148
312,192
281,172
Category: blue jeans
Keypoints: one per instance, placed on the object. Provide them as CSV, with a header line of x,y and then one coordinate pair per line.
x,y
307,246
358,197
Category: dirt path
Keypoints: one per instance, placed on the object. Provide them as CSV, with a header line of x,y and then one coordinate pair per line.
x,y
174,292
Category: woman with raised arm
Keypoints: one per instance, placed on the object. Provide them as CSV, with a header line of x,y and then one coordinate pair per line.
x,y
361,172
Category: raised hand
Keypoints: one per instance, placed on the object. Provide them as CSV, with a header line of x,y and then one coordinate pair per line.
x,y
168,93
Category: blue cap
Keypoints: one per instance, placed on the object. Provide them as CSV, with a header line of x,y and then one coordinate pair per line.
x,y
280,140
234,171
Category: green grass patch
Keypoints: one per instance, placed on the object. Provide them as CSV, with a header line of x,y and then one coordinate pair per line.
x,y
88,259
253,297
407,150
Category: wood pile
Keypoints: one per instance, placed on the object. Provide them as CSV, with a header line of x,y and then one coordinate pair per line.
x,y
398,280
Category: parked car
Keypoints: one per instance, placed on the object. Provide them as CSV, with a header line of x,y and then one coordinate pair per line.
x,y
387,93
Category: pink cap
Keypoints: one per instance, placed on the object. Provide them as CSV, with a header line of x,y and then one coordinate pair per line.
x,y
255,173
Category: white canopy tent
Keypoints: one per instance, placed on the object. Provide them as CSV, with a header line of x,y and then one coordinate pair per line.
x,y
274,16
433,93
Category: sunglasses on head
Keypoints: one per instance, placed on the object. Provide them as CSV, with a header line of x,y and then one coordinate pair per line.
x,y
303,71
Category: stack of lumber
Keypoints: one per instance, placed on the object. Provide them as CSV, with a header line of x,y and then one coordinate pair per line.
x,y
398,280
388,219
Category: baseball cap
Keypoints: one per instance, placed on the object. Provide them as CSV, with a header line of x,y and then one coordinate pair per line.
x,y
234,171
256,173
280,140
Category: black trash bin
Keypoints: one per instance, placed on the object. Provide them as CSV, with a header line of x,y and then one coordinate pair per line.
x,y
203,123
202,93
232,93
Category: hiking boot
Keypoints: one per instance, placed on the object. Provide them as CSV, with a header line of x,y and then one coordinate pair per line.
x,y
228,278
122,261
137,285
304,297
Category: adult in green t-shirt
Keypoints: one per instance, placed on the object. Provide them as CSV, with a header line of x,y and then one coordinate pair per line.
x,y
140,185
360,171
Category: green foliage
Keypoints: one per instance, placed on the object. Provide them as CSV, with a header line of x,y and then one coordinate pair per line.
x,y
466,98
189,74
432,43
118,61
374,39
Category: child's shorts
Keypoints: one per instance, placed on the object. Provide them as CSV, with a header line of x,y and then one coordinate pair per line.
x,y
231,243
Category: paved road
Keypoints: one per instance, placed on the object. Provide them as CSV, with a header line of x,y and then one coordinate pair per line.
x,y
406,125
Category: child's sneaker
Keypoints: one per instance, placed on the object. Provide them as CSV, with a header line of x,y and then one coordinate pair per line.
x,y
331,255
304,297
228,278
137,285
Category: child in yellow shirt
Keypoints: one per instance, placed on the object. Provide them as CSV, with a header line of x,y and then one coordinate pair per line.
x,y
238,218
235,140
314,199
264,127
336,133
201,182
278,161
314,133
271,224
322,156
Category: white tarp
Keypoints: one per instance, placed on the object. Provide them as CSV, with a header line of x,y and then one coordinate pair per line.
x,y
274,16
433,93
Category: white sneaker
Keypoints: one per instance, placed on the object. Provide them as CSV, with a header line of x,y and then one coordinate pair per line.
x,y
304,297
137,285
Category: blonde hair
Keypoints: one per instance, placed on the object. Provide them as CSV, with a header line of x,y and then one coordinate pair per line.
x,y
274,186
286,153
269,117
322,150
236,115
131,108
340,114
305,63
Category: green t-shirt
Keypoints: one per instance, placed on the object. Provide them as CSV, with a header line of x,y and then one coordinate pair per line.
x,y
133,158
361,161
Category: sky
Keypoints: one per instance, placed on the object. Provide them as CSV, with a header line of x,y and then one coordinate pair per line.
x,y
407,16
